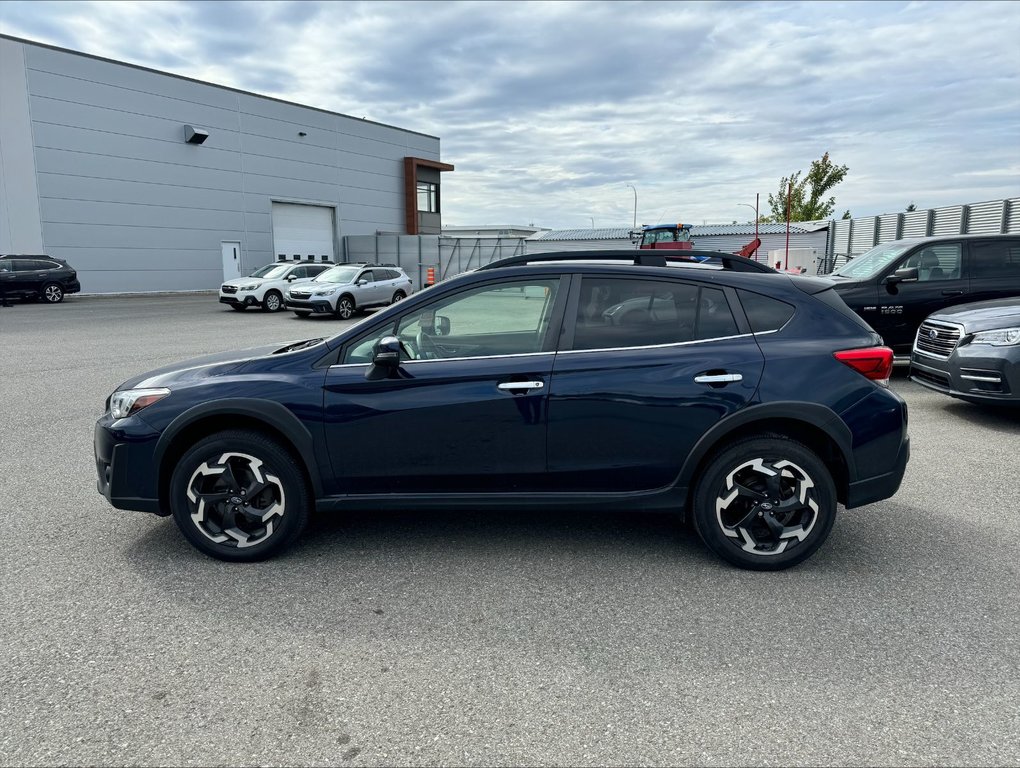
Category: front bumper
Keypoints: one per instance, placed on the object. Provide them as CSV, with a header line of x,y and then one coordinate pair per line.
x,y
126,473
978,373
318,306
238,300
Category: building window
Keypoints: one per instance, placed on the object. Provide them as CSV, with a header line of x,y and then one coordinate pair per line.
x,y
428,197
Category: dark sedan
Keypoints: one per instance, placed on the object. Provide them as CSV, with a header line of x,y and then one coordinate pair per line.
x,y
971,351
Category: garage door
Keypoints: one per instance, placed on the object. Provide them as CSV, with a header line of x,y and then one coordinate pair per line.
x,y
302,231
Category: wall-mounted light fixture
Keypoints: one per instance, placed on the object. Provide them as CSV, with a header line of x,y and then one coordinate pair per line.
x,y
194,135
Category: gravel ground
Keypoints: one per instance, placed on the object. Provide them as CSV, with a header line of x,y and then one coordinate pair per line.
x,y
456,638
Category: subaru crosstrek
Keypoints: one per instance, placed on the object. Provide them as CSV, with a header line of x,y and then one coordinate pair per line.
x,y
348,288
750,403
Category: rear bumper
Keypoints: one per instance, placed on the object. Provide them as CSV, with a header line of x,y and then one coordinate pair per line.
x,y
882,486
881,447
72,287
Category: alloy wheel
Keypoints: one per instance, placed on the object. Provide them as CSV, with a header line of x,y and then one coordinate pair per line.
x,y
53,293
344,308
767,506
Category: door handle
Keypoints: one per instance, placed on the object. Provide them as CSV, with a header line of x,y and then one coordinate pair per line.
x,y
952,293
718,378
519,387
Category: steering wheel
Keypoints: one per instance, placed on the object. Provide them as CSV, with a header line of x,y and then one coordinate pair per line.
x,y
427,349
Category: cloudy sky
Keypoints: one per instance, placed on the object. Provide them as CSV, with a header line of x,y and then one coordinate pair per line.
x,y
549,110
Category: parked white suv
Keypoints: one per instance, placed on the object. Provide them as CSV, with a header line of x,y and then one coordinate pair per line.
x,y
265,286
348,288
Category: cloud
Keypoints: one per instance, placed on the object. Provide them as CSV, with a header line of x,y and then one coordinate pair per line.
x,y
550,109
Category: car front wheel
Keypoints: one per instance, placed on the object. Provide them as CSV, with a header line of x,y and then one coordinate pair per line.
x,y
272,301
52,293
239,496
398,296
765,503
345,307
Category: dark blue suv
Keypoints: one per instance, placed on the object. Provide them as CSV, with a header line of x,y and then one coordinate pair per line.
x,y
749,403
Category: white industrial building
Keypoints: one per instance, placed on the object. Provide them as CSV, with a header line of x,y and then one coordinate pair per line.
x,y
144,180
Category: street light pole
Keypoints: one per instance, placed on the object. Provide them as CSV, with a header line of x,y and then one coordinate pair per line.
x,y
635,204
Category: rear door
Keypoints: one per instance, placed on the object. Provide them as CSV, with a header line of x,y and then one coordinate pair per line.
x,y
646,368
994,268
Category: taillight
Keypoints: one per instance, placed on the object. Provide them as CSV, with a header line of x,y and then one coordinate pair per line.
x,y
874,362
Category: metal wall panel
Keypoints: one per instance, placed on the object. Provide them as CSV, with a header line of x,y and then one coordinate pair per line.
x,y
117,178
1013,216
915,224
947,220
888,227
841,237
985,218
863,238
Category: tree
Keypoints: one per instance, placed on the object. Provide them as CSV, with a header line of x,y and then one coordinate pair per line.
x,y
807,201
846,214
911,207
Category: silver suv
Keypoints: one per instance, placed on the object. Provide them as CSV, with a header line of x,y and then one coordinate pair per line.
x,y
348,288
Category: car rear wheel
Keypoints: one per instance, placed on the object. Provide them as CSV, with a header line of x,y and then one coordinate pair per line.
x,y
345,307
239,496
272,301
52,293
398,296
765,503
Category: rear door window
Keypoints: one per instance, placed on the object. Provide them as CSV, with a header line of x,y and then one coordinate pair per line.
x,y
763,312
615,313
999,258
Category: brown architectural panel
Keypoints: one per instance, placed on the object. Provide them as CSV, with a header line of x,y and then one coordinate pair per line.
x,y
411,165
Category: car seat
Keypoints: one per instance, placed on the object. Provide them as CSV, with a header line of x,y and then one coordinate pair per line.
x,y
929,267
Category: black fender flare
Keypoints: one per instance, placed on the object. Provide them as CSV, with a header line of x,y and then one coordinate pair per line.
x,y
811,415
272,413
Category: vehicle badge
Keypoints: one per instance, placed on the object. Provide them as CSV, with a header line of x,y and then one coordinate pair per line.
x,y
933,334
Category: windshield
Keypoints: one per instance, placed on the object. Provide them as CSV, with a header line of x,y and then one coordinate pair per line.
x,y
340,275
874,261
270,271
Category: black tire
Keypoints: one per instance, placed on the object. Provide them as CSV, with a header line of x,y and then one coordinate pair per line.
x,y
52,293
301,315
345,307
765,503
265,480
398,296
239,307
272,301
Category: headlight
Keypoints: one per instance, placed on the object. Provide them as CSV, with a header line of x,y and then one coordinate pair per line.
x,y
251,287
1003,337
330,292
128,401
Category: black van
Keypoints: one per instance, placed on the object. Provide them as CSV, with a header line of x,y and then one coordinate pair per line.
x,y
896,285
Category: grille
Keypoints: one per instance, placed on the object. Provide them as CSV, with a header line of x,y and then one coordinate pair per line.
x,y
300,294
944,342
229,288
937,379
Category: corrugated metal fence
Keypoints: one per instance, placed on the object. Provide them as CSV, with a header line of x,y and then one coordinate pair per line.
x,y
852,237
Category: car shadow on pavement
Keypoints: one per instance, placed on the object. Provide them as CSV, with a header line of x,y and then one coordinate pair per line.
x,y
999,418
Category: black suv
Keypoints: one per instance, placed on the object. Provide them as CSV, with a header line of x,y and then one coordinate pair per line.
x,y
751,403
33,277
897,285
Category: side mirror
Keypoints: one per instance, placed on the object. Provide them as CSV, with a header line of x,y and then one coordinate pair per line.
x,y
385,359
291,278
362,282
904,275
442,325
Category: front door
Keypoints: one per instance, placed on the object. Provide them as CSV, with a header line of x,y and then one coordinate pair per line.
x,y
231,259
941,282
466,411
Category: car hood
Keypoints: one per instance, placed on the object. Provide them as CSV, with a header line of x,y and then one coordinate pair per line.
x,y
218,364
244,281
983,315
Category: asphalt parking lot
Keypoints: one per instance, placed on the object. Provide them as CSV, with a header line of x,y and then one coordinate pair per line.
x,y
469,639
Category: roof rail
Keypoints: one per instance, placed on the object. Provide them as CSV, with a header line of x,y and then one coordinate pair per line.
x,y
641,258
